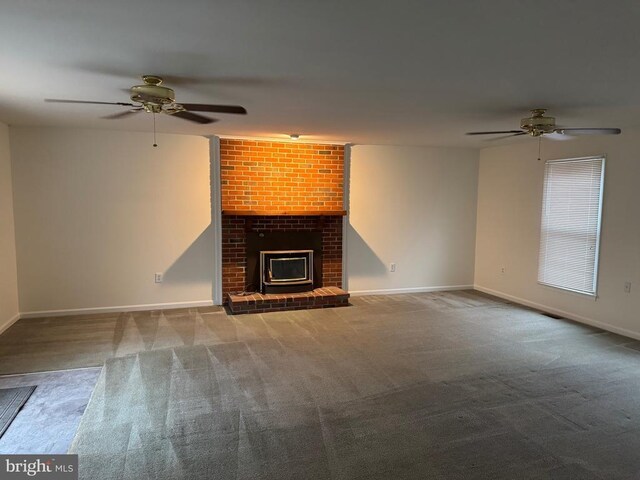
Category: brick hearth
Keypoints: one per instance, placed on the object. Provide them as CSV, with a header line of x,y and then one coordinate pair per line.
x,y
318,298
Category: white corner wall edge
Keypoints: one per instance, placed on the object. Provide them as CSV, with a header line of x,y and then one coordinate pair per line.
x,y
346,181
562,313
10,322
122,308
216,216
393,291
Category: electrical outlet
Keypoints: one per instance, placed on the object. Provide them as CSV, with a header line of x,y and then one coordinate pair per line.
x,y
392,267
502,270
627,287
159,277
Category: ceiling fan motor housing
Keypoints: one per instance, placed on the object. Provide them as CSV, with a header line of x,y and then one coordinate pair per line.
x,y
538,124
152,92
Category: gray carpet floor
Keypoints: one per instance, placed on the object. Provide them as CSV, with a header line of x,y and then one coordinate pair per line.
x,y
59,343
445,385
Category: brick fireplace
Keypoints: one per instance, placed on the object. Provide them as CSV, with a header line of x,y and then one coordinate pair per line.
x,y
285,187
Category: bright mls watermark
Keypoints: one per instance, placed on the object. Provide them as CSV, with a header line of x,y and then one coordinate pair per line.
x,y
50,467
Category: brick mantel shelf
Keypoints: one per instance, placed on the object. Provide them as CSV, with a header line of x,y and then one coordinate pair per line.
x,y
285,213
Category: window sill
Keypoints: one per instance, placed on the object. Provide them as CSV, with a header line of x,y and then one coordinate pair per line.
x,y
580,293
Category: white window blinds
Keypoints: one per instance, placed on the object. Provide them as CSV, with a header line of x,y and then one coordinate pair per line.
x,y
570,232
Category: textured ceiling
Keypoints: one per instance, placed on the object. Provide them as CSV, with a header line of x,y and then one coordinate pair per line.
x,y
381,72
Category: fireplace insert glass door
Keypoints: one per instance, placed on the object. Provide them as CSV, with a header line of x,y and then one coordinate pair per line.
x,y
291,269
286,271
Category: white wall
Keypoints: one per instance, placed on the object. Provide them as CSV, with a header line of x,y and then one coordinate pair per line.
x,y
509,210
97,213
416,207
8,274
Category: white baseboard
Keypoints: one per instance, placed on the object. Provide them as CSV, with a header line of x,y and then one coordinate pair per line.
x,y
122,308
562,313
393,291
10,322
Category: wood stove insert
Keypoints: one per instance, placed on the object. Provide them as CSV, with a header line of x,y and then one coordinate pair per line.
x,y
286,271
284,262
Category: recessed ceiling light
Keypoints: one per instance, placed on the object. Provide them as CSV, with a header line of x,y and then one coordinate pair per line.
x,y
294,136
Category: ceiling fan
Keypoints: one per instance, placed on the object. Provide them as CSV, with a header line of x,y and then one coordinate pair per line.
x,y
153,97
538,125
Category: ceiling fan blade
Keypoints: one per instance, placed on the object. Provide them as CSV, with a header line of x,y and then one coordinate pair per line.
x,y
193,117
588,131
495,133
57,100
124,114
505,136
202,107
557,137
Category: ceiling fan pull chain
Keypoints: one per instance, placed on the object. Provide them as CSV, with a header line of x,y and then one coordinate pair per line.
x,y
154,130
539,146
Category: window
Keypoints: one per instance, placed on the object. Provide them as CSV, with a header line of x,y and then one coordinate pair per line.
x,y
570,231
